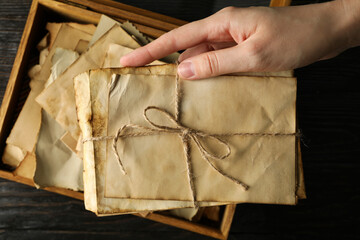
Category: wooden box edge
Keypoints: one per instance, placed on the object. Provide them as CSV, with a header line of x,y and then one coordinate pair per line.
x,y
13,86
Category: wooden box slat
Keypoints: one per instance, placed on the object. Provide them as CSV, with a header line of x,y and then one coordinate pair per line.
x,y
129,9
131,16
152,24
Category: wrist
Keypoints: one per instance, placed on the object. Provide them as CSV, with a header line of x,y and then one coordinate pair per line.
x,y
348,21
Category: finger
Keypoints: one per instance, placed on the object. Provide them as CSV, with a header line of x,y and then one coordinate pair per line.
x,y
181,38
184,37
223,61
204,47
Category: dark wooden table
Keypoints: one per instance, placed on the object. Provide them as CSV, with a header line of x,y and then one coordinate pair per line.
x,y
329,117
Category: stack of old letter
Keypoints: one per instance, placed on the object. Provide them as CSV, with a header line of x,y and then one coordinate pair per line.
x,y
142,139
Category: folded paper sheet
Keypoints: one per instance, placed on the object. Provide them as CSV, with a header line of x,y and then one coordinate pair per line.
x,y
155,164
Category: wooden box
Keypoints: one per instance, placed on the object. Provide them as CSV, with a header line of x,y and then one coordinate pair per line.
x,y
85,11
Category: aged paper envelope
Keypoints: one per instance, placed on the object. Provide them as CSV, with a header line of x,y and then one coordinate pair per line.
x,y
58,99
253,105
93,201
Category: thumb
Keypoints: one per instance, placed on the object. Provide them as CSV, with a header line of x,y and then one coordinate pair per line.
x,y
214,63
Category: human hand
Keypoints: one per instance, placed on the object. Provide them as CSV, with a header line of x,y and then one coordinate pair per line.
x,y
256,39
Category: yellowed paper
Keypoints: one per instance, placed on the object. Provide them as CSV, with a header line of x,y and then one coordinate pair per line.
x,y
267,163
25,131
27,167
88,28
23,135
61,60
56,164
44,43
115,52
26,127
69,141
82,46
67,38
58,99
186,213
43,55
13,155
54,28
105,24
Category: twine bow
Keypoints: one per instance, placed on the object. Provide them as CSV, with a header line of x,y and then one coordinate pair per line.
x,y
186,134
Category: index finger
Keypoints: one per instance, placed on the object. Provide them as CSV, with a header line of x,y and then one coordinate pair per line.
x,y
180,38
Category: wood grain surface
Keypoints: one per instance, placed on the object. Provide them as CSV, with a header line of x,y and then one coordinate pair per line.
x,y
329,117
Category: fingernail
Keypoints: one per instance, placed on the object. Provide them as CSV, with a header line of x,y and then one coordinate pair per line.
x,y
123,60
186,69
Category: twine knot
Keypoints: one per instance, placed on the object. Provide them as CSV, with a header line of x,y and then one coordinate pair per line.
x,y
185,132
